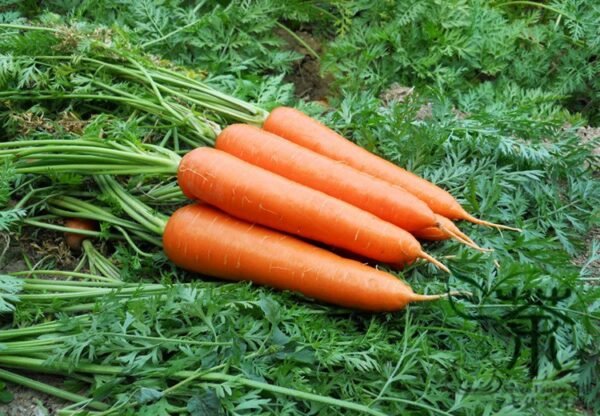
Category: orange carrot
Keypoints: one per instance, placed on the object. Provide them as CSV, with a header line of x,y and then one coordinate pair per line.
x,y
73,239
301,129
204,240
316,171
259,196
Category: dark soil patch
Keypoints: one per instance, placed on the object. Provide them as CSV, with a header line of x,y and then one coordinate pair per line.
x,y
45,247
37,246
27,402
306,76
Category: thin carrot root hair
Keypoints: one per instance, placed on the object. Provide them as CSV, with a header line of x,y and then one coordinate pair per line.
x,y
458,232
463,238
427,298
474,220
434,261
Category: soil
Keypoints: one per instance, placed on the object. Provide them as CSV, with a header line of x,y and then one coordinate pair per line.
x,y
593,267
588,134
396,93
307,78
13,248
27,402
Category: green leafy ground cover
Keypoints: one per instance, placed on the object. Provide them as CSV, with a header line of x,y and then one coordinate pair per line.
x,y
501,90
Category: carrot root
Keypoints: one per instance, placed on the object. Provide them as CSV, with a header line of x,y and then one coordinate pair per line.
x,y
458,232
434,261
470,218
466,241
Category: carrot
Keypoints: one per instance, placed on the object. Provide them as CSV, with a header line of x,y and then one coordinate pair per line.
x,y
316,171
301,129
259,196
444,230
72,238
202,239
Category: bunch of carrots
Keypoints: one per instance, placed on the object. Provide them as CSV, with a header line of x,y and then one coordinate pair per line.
x,y
262,193
267,192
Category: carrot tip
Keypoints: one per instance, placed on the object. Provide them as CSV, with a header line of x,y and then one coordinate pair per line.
x,y
434,261
427,298
474,220
464,240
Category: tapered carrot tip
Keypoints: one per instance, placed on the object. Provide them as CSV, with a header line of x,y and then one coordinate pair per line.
x,y
474,220
428,298
464,240
434,261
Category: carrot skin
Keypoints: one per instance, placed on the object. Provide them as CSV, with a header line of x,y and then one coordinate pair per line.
x,y
73,239
301,129
302,165
205,240
259,196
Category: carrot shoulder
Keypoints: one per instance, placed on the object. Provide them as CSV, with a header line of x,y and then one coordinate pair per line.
x,y
301,129
319,172
259,196
202,239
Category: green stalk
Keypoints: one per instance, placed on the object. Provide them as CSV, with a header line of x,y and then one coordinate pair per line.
x,y
259,114
59,284
28,27
144,236
74,156
88,307
168,35
136,209
140,233
170,192
301,41
60,368
49,142
51,95
91,169
142,75
81,209
63,368
68,150
97,261
165,340
541,5
55,227
51,390
40,329
66,273
68,293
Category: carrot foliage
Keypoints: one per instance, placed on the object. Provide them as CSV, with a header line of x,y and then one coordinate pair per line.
x,y
503,94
